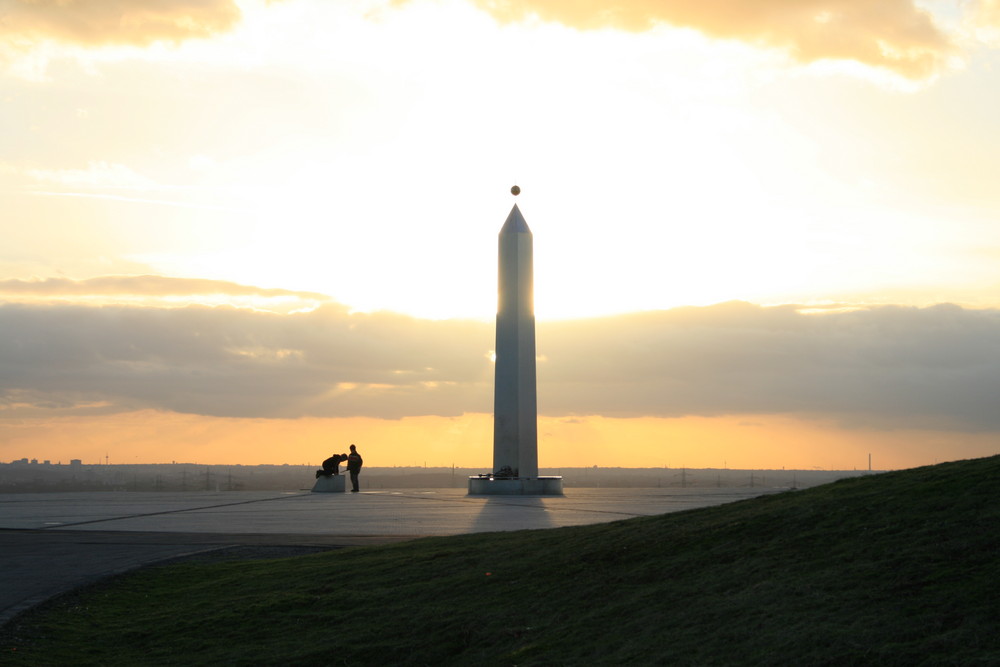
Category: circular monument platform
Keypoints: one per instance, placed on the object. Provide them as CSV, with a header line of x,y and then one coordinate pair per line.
x,y
487,485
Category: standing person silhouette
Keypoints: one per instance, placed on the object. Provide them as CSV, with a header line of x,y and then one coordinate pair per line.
x,y
354,463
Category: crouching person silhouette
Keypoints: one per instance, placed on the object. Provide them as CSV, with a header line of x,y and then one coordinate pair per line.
x,y
331,466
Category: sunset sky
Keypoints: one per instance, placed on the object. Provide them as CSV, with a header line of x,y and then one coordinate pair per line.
x,y
767,234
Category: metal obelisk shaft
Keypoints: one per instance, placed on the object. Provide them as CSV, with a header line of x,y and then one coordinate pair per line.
x,y
515,408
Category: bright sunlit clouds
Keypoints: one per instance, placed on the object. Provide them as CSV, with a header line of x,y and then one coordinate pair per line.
x,y
286,157
658,169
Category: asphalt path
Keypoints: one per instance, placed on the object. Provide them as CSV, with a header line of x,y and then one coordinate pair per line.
x,y
53,543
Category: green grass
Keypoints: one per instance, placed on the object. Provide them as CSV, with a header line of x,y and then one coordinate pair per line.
x,y
898,568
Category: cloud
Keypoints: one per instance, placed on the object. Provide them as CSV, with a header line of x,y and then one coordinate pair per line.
x,y
158,291
984,21
96,175
893,34
240,363
142,286
885,367
988,12
130,22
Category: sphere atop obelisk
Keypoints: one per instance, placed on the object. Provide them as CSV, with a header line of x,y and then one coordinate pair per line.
x,y
516,190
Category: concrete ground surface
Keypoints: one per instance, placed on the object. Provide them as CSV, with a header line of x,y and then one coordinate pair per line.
x,y
51,543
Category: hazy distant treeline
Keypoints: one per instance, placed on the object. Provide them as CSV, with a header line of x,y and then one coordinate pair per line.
x,y
33,478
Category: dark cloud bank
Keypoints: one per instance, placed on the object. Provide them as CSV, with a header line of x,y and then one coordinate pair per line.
x,y
887,367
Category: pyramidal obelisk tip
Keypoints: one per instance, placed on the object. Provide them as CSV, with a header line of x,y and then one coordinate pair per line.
x,y
515,223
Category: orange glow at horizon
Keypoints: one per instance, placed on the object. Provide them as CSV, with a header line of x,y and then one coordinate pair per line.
x,y
740,442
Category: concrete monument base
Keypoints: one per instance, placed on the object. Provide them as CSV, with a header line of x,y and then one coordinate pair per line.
x,y
330,484
491,486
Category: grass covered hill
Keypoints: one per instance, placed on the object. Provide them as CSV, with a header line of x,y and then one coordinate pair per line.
x,y
897,568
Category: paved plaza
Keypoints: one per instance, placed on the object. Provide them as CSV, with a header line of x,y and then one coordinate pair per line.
x,y
54,542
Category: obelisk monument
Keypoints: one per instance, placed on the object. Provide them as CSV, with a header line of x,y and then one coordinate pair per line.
x,y
515,405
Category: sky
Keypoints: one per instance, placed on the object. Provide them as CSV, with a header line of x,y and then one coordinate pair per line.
x,y
766,234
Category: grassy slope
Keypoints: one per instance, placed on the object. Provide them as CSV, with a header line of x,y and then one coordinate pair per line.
x,y
898,568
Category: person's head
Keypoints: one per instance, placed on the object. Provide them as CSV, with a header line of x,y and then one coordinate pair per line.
x,y
353,448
